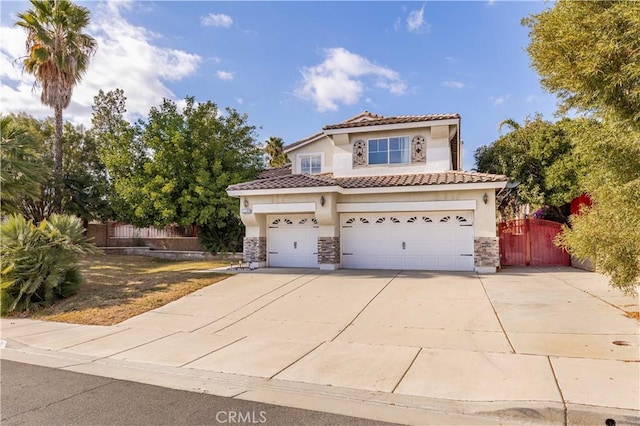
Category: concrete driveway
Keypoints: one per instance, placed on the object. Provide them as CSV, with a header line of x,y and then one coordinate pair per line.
x,y
535,343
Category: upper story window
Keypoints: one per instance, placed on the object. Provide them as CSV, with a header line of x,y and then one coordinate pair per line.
x,y
310,164
389,150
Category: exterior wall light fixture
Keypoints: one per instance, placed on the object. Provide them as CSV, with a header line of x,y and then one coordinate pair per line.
x,y
322,200
485,198
246,203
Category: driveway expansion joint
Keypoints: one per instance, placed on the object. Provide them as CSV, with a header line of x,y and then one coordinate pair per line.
x,y
496,314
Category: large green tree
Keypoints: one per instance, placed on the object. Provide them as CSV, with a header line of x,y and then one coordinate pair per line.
x,y
58,53
588,53
84,188
175,166
538,154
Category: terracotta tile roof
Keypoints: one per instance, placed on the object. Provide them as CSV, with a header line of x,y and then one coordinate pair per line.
x,y
422,179
301,141
367,118
365,115
444,178
275,171
280,182
400,119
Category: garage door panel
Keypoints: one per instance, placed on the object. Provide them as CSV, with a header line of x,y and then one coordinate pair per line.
x,y
420,240
292,241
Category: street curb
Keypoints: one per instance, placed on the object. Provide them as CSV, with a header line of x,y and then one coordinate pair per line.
x,y
351,402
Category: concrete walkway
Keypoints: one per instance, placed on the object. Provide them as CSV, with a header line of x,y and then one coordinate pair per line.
x,y
535,345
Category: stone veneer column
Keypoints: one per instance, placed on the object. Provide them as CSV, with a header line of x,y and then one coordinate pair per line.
x,y
329,252
254,250
487,253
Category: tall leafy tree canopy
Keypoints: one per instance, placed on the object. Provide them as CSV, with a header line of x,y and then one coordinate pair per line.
x,y
85,188
539,156
58,53
588,53
175,166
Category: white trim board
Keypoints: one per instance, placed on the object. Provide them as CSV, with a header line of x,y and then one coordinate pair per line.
x,y
284,208
376,190
407,206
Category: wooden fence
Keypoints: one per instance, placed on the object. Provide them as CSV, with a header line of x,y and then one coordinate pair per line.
x,y
530,242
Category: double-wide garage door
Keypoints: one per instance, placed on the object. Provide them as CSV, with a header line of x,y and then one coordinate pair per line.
x,y
292,241
438,241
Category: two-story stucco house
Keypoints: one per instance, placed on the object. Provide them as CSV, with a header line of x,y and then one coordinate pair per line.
x,y
374,192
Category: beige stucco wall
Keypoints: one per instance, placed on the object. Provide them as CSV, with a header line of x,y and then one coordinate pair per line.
x,y
438,152
329,219
323,146
337,151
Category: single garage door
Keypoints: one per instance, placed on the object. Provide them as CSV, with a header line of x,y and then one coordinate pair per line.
x,y
292,241
437,241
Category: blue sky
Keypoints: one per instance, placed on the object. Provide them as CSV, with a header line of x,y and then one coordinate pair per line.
x,y
293,67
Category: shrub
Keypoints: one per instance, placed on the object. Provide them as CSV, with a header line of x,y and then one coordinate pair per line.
x,y
39,263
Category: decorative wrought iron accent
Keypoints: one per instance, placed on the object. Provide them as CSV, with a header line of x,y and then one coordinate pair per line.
x,y
275,222
288,222
302,222
314,221
426,219
363,220
350,220
418,149
381,220
445,219
412,219
360,153
395,220
461,219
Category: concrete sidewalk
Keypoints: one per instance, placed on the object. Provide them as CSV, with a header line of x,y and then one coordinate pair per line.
x,y
545,346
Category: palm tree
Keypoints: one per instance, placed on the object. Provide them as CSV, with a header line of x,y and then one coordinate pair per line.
x,y
58,55
510,122
22,170
275,152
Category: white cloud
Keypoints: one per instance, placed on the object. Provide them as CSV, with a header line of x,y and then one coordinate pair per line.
x,y
220,20
225,75
416,22
126,58
343,77
240,101
499,100
452,84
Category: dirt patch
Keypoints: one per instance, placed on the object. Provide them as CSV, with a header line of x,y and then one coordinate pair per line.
x,y
118,287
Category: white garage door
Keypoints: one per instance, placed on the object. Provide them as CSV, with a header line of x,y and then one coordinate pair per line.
x,y
437,241
292,241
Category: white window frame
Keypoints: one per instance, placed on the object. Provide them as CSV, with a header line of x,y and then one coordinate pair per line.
x,y
388,163
309,155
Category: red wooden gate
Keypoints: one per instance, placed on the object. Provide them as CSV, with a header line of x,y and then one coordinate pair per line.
x,y
529,242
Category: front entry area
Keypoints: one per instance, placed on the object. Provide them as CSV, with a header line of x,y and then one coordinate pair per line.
x,y
292,241
436,241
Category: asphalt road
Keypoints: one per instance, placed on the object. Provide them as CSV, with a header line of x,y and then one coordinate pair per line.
x,y
33,395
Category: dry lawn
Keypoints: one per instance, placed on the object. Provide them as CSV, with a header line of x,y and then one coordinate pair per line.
x,y
119,287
